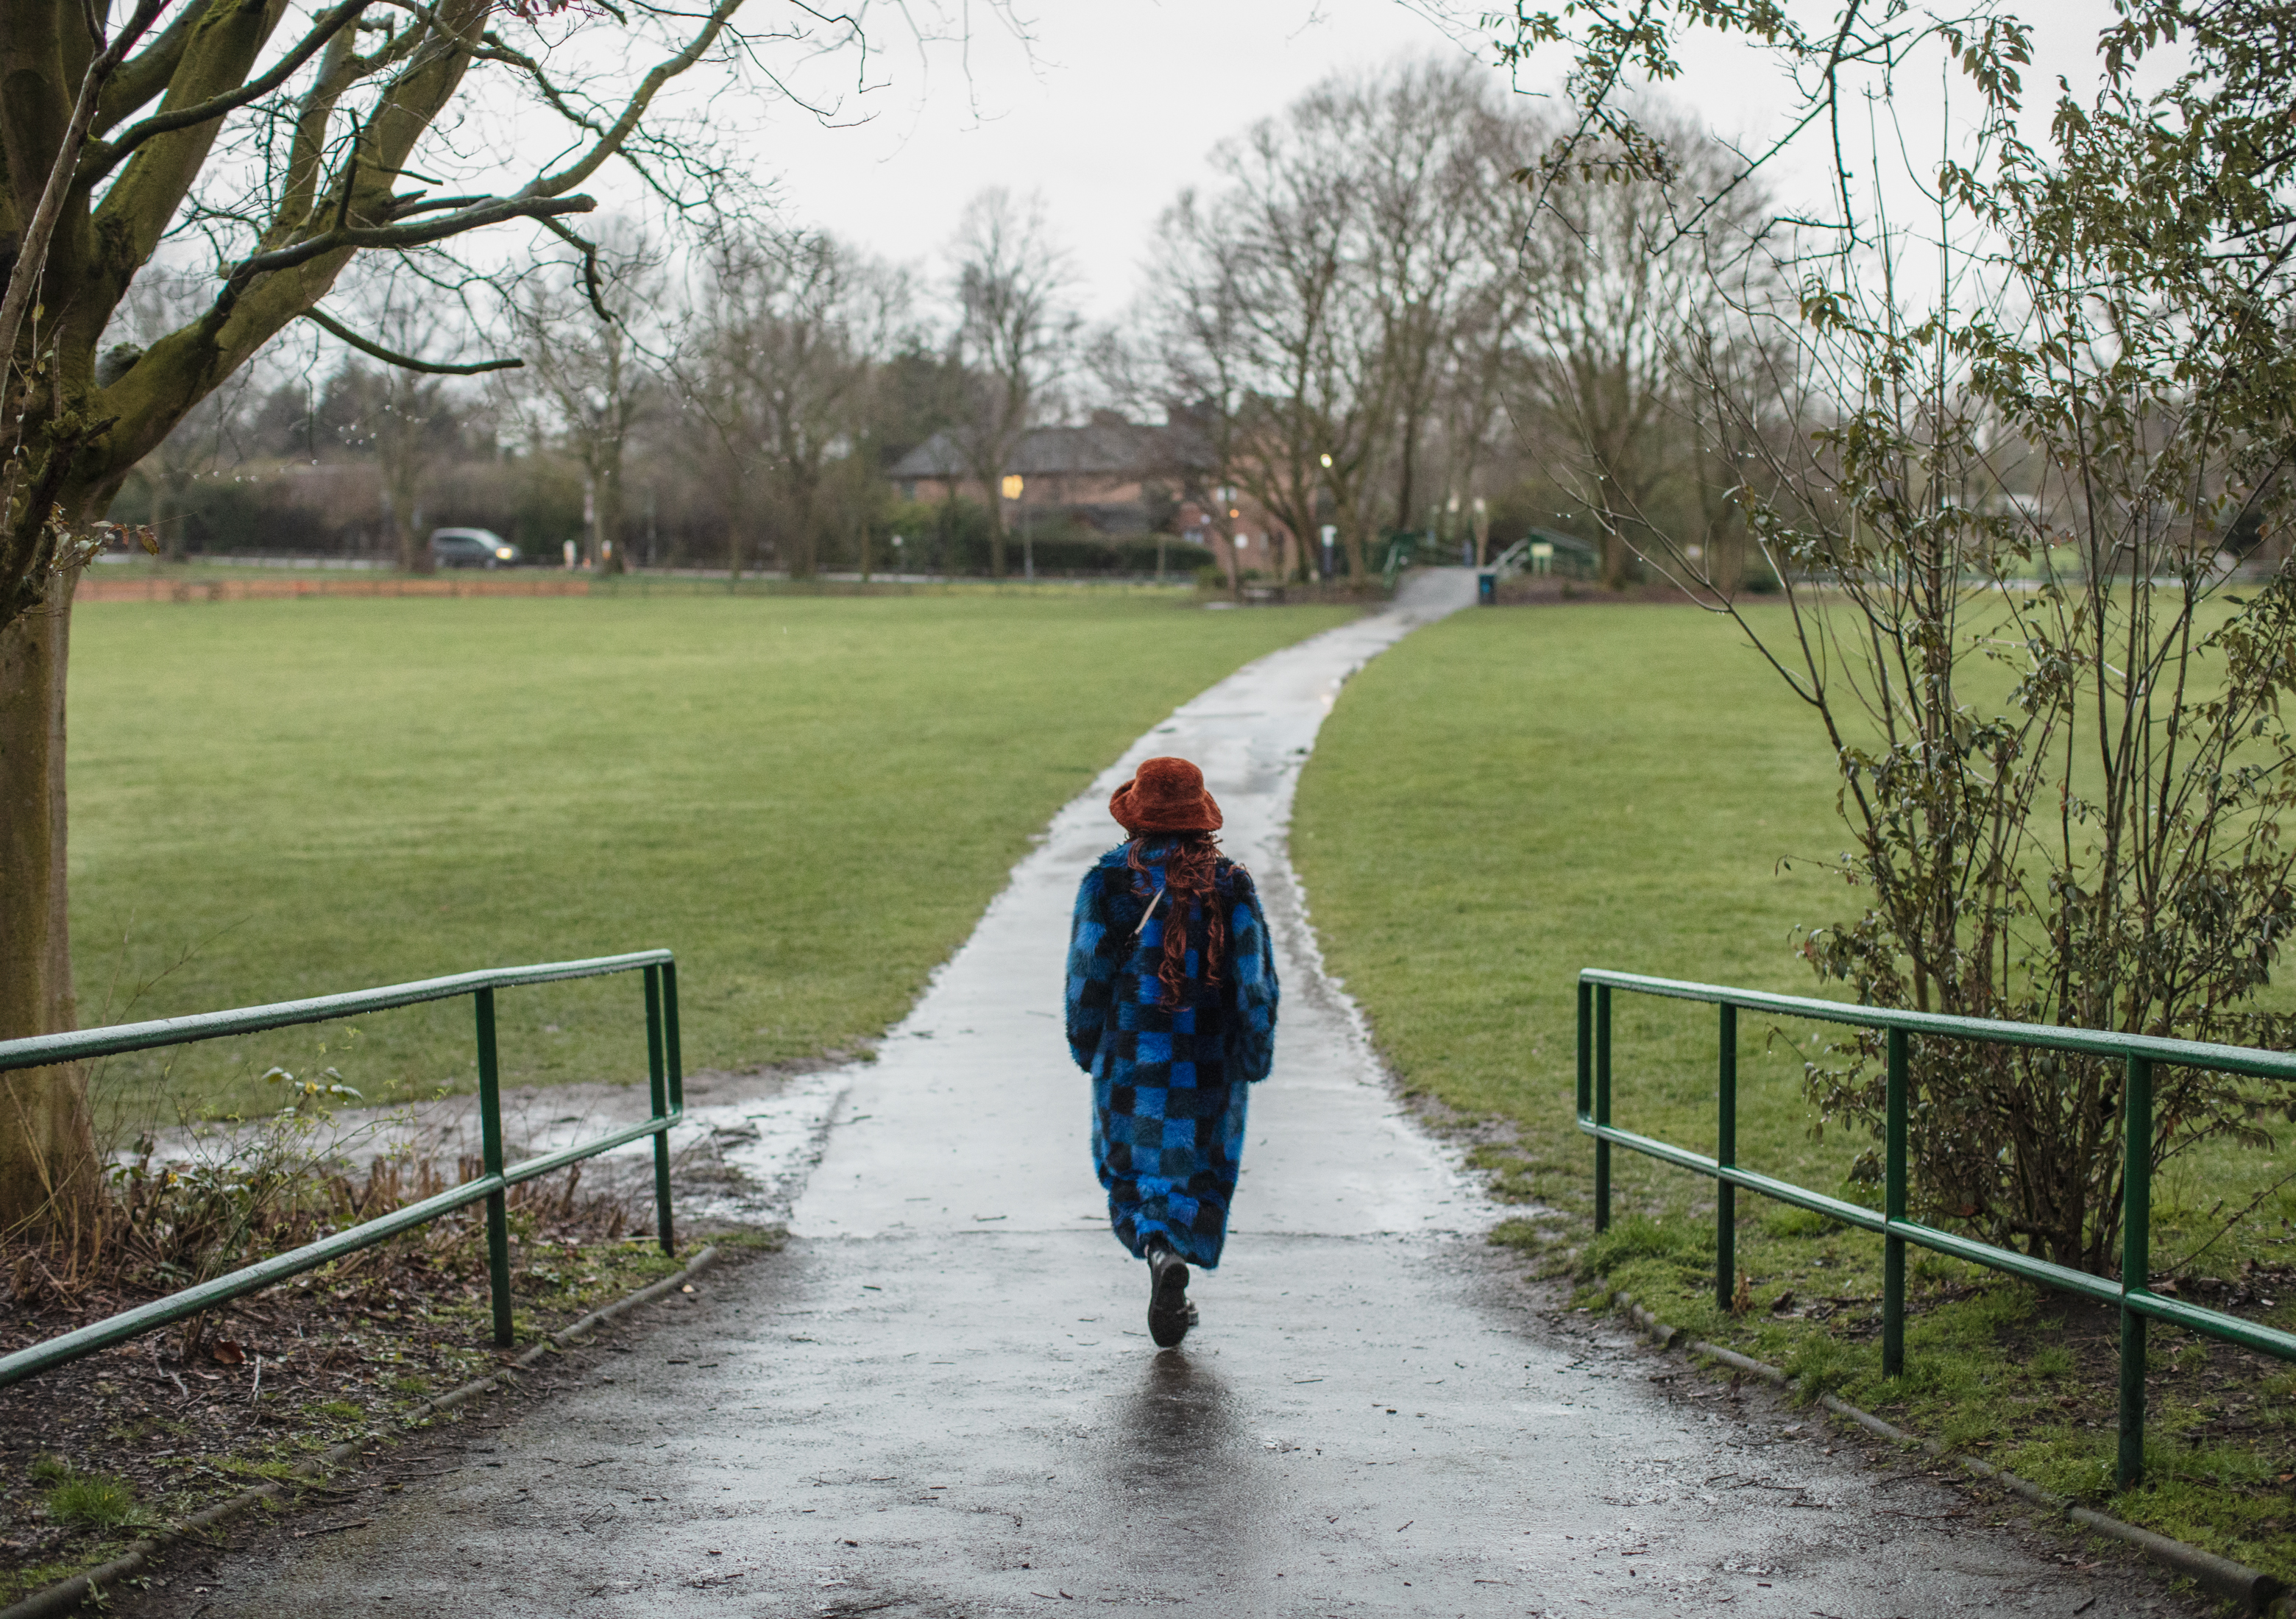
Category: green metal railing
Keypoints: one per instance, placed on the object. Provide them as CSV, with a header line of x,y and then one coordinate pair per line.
x,y
2132,1293
664,1069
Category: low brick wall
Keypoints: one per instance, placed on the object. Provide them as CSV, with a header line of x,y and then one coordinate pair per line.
x,y
273,589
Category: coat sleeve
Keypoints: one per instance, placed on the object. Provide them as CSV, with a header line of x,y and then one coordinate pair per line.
x,y
1251,972
1093,966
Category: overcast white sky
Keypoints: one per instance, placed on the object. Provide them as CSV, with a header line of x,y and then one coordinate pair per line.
x,y
1110,110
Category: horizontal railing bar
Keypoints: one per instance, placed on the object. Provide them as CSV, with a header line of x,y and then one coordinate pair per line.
x,y
2231,1328
2092,1042
2249,1335
2061,1277
253,1279
565,1156
1785,1191
39,1051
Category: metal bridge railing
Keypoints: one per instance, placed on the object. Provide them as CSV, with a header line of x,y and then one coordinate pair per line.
x,y
2132,1293
664,1068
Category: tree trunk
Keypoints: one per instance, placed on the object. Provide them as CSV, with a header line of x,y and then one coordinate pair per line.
x,y
609,520
1614,560
167,513
801,553
47,1143
400,517
1614,543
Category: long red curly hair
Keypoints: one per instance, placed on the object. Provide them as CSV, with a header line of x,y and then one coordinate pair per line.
x,y
1189,871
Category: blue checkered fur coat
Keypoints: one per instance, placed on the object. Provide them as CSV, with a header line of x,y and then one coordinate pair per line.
x,y
1168,1087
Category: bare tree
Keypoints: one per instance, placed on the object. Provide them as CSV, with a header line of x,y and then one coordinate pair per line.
x,y
290,139
1260,327
790,335
1621,287
157,304
1424,256
1016,337
2016,482
1489,364
411,418
589,378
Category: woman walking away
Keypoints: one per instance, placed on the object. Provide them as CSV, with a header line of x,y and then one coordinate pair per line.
x,y
1171,1009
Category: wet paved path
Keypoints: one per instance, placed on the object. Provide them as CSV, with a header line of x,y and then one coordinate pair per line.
x,y
939,1399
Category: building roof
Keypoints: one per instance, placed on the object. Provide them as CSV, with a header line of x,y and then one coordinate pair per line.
x,y
1103,449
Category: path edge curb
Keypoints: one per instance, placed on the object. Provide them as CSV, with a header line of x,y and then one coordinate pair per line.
x,y
67,1595
2255,1590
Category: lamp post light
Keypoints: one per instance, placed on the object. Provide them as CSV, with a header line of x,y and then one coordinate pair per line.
x,y
1013,486
1330,531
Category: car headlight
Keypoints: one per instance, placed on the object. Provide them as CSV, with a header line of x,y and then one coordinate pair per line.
x,y
506,553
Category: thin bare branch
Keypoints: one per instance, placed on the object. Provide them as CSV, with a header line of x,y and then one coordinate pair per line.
x,y
404,362
101,157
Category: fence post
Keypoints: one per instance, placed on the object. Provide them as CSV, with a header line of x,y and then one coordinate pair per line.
x,y
1585,1051
657,1082
2135,1262
1602,1106
491,1145
1725,1154
669,1032
1894,1209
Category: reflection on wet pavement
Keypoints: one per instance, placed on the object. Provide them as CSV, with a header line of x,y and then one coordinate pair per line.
x,y
1178,1469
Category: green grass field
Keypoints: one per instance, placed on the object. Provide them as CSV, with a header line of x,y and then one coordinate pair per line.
x,y
1510,796
809,799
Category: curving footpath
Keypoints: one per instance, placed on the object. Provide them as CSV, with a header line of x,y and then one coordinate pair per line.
x,y
939,1398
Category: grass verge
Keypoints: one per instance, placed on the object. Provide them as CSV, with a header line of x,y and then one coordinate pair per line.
x,y
1512,795
810,798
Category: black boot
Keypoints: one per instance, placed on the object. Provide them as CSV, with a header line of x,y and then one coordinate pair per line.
x,y
1169,1313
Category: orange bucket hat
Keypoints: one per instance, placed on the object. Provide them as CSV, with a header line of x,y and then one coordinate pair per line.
x,y
1165,795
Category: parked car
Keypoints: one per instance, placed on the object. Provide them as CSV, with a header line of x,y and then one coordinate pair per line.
x,y
470,549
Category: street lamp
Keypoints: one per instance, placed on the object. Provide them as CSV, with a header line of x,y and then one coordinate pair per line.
x,y
1013,486
1331,532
